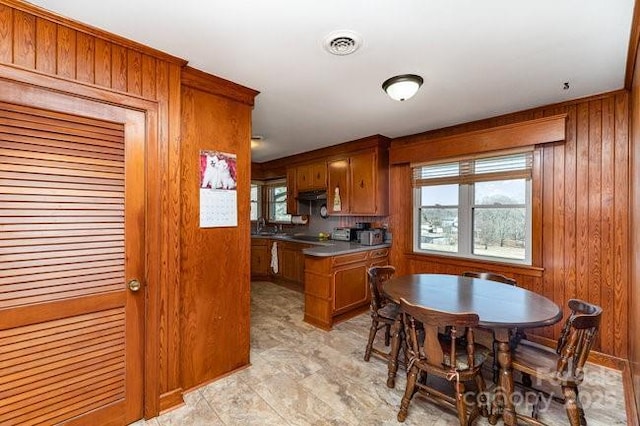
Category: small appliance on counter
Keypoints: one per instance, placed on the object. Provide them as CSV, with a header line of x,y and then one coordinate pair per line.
x,y
370,237
344,234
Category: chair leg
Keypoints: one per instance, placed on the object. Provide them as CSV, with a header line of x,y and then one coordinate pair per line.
x,y
495,366
408,394
460,403
572,406
387,334
372,335
392,366
483,402
535,411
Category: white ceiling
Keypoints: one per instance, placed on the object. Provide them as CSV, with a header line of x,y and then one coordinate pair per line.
x,y
478,58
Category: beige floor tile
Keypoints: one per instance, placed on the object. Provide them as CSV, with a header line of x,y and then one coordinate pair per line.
x,y
301,375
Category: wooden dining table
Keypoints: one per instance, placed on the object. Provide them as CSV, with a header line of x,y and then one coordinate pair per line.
x,y
499,307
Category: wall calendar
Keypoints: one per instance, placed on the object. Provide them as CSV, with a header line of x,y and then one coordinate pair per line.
x,y
218,192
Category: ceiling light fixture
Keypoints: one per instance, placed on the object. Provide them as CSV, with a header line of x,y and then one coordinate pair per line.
x,y
256,140
402,87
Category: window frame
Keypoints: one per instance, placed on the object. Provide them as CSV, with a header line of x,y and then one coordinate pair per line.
x,y
269,211
466,206
259,210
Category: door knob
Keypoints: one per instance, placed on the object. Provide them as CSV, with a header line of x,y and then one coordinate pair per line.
x,y
134,285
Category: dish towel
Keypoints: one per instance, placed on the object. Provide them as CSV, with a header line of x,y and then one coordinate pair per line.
x,y
274,257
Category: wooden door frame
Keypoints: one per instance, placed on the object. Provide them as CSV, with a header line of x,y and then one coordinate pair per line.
x,y
155,192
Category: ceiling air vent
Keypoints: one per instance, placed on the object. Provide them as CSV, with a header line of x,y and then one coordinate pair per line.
x,y
342,42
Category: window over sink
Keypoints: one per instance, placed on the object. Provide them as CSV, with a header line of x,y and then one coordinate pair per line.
x,y
269,201
477,208
256,196
277,202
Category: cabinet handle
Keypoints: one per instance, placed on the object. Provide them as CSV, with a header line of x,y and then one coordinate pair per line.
x,y
362,184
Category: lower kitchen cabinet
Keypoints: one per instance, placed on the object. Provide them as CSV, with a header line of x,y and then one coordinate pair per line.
x,y
290,261
260,258
336,287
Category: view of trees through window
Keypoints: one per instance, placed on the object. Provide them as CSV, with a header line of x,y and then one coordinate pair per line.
x,y
278,208
500,218
255,201
494,218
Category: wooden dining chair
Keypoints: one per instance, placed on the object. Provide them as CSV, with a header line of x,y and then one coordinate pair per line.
x,y
564,366
383,311
485,336
448,356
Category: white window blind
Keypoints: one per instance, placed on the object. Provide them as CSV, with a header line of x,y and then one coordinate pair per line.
x,y
469,170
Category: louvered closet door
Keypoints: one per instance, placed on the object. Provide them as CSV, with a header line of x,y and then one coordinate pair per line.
x,y
71,235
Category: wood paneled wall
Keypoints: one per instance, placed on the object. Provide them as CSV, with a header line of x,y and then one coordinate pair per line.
x,y
580,214
36,41
215,263
634,296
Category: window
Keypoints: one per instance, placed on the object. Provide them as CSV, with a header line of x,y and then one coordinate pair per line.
x,y
277,193
256,190
475,208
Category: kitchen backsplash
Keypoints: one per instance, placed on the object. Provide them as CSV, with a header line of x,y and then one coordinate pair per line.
x,y
319,224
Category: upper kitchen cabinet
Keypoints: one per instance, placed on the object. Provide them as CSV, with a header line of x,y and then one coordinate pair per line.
x,y
361,182
311,176
363,188
292,191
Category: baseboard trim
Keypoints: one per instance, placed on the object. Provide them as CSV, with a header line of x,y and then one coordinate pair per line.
x,y
228,373
629,396
595,357
171,400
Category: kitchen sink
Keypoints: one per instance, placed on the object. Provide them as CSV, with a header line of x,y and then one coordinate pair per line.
x,y
312,238
305,238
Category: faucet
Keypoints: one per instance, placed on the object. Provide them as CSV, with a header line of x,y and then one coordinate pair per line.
x,y
262,223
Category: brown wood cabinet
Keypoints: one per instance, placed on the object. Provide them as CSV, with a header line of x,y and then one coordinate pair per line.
x,y
260,258
290,261
292,191
363,190
336,287
311,176
362,181
338,179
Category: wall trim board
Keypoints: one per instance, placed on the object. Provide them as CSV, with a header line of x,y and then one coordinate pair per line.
x,y
630,395
634,40
488,122
328,153
532,271
525,133
75,87
35,82
171,400
634,214
93,31
214,85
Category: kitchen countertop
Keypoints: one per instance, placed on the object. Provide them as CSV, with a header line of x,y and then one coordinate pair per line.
x,y
324,248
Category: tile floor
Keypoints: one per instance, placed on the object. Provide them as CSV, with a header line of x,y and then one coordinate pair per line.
x,y
301,375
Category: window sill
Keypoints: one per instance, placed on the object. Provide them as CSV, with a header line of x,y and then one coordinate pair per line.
x,y
528,270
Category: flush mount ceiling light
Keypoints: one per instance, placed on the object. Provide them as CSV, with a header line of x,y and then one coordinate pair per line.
x,y
256,140
402,87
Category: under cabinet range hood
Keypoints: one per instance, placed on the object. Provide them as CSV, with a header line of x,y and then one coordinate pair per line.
x,y
320,194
